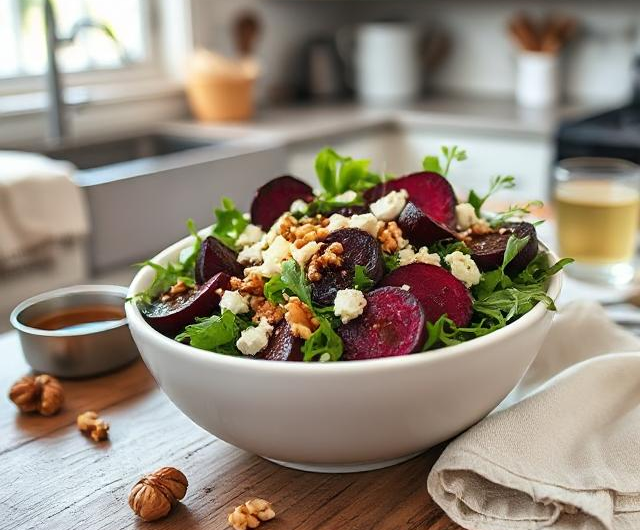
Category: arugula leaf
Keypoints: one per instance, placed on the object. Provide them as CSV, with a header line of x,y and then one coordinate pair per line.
x,y
189,255
444,248
230,223
496,184
515,210
324,343
323,205
338,174
432,163
391,262
291,281
362,282
216,333
490,280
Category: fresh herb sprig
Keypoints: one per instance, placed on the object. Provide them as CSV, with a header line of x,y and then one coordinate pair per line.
x,y
361,281
433,163
514,211
230,223
217,333
497,183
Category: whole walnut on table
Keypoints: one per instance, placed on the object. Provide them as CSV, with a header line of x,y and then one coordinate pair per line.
x,y
155,494
41,393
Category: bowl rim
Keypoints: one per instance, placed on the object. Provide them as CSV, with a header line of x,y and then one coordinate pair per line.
x,y
14,318
384,363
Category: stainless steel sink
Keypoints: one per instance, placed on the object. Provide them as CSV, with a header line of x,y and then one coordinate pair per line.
x,y
98,154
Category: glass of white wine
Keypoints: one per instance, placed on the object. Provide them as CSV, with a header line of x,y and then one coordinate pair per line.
x,y
597,202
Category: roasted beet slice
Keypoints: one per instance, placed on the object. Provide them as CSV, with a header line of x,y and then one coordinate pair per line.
x,y
488,250
283,346
439,291
360,248
393,323
169,318
429,191
214,257
275,197
420,228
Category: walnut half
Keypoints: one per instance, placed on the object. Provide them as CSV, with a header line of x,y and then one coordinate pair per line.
x,y
42,394
251,514
91,425
155,494
300,318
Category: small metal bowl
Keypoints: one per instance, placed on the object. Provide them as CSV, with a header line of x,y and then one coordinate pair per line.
x,y
75,352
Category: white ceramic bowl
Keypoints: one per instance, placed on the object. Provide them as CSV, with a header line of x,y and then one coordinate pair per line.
x,y
346,416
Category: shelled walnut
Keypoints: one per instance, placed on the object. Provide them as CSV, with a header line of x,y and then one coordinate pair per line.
x,y
90,424
330,256
251,514
155,494
300,318
42,393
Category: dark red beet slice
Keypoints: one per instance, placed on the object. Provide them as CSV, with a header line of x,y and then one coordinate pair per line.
x,y
429,191
214,257
421,229
393,323
488,250
275,197
439,291
360,248
283,346
169,318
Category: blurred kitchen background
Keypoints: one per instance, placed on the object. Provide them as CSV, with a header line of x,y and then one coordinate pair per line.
x,y
159,107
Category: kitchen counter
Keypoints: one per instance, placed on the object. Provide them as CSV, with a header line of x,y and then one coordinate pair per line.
x,y
315,121
57,478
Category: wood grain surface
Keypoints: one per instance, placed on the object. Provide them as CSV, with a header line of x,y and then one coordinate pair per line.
x,y
55,478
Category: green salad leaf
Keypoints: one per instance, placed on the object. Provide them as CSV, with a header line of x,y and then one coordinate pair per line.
x,y
217,333
516,210
362,282
391,262
432,163
230,223
324,344
338,174
497,183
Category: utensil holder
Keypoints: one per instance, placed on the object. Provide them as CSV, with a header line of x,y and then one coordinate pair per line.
x,y
219,98
537,79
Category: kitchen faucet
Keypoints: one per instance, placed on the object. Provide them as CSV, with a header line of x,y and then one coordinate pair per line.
x,y
57,123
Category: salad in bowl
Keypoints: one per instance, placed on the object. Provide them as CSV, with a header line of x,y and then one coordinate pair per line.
x,y
368,266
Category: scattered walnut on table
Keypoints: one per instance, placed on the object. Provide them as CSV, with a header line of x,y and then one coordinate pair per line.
x,y
300,318
390,237
155,494
42,393
91,425
251,514
327,257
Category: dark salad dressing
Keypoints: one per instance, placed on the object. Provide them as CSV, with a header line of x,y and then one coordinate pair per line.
x,y
82,318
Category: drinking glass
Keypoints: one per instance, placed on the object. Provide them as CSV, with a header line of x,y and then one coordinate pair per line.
x,y
597,202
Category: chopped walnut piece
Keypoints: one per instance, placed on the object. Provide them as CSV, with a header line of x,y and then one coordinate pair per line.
x,y
90,424
251,514
176,290
265,309
327,257
481,228
390,237
300,318
304,231
252,284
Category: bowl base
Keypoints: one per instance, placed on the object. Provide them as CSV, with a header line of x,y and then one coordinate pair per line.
x,y
344,468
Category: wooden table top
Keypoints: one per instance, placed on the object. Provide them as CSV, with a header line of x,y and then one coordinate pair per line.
x,y
55,478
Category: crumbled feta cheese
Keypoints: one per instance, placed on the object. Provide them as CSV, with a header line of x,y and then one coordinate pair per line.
x,y
423,256
303,255
336,222
251,254
387,208
405,287
233,301
465,216
299,206
347,196
407,255
366,222
250,235
272,258
349,304
463,268
274,231
252,340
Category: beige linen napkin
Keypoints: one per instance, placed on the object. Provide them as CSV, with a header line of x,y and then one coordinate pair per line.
x,y
563,450
39,204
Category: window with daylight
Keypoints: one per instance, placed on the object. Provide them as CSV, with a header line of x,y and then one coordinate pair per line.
x,y
125,40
